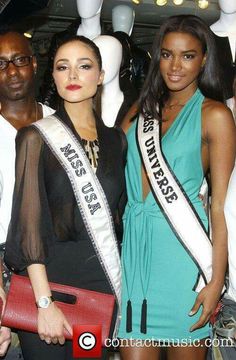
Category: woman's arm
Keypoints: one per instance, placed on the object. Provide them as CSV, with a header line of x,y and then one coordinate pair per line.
x,y
220,135
31,234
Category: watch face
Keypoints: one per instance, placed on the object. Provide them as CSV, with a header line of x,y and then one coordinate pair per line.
x,y
44,302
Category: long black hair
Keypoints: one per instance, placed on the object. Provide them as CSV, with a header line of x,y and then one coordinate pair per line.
x,y
49,92
155,91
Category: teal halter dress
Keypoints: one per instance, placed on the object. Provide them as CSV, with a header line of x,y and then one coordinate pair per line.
x,y
155,265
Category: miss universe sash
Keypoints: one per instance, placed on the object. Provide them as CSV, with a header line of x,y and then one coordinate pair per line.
x,y
173,201
89,195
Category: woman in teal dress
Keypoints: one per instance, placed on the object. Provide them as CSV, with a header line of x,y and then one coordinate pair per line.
x,y
160,304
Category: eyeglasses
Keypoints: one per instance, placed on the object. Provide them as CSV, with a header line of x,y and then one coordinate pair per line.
x,y
17,61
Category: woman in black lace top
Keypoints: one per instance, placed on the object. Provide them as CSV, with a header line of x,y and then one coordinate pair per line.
x,y
47,237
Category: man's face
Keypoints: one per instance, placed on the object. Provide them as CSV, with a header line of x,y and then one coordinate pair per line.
x,y
16,83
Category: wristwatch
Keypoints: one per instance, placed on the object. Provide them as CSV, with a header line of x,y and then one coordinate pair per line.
x,y
44,302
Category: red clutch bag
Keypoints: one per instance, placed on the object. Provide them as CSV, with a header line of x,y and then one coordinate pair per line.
x,y
86,307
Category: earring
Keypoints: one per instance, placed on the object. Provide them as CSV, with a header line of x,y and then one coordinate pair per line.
x,y
203,62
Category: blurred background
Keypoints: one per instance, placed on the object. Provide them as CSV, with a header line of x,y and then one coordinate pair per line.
x,y
41,19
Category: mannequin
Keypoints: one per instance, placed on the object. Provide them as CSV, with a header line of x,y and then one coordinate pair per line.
x,y
225,35
112,97
135,61
123,19
89,11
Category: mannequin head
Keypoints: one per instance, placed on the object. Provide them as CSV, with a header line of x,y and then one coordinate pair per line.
x,y
89,8
111,53
123,19
227,6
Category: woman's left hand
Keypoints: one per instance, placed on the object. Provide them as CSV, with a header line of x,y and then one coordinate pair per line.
x,y
208,298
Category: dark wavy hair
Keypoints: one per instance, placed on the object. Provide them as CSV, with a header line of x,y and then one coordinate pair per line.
x,y
49,92
155,91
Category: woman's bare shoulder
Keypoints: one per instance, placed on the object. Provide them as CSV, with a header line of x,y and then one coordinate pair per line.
x,y
216,110
217,118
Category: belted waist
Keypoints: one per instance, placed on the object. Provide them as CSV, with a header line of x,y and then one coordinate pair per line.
x,y
153,210
137,208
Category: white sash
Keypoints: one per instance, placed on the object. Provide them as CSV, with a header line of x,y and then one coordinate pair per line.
x,y
174,202
89,195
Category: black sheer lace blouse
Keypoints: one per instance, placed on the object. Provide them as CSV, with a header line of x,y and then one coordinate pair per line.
x,y
46,226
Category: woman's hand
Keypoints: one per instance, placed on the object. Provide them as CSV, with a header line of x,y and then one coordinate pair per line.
x,y
51,324
5,333
51,321
5,339
208,298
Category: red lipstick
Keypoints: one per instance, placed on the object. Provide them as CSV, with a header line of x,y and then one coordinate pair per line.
x,y
73,87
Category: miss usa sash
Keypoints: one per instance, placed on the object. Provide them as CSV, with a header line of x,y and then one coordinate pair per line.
x,y
89,195
173,201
